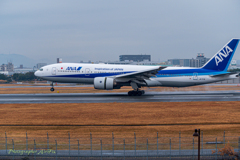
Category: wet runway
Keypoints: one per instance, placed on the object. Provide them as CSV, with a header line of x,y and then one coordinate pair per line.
x,y
121,97
108,153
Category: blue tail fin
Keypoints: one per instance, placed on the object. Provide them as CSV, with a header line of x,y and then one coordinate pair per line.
x,y
221,60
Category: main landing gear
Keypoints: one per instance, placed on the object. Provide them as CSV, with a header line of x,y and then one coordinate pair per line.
x,y
136,93
52,89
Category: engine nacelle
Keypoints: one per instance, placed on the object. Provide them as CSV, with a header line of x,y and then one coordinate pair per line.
x,y
104,83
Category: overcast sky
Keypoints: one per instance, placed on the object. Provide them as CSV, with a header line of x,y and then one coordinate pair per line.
x,y
104,29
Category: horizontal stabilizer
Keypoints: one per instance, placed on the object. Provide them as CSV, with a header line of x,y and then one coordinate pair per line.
x,y
224,74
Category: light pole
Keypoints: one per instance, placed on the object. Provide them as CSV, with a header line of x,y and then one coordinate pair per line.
x,y
197,133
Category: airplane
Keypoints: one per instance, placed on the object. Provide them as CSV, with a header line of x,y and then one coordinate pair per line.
x,y
109,77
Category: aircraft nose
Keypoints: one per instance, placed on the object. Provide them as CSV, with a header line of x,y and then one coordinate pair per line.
x,y
36,73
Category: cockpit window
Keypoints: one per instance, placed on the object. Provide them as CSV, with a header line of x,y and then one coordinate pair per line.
x,y
41,69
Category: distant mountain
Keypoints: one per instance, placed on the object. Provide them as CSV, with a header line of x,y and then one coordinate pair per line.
x,y
17,59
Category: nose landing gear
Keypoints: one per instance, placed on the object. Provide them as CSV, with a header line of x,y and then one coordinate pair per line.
x,y
52,89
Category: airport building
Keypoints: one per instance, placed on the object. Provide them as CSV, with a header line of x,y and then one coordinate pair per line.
x,y
198,62
59,60
7,67
148,63
179,62
194,63
135,58
39,65
202,59
23,70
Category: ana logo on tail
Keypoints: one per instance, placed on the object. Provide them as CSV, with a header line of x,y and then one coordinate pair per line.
x,y
223,53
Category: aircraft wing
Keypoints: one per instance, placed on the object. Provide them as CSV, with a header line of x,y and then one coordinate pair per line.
x,y
138,77
224,74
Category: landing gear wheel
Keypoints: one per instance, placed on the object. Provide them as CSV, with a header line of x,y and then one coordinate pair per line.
x,y
131,93
52,89
135,93
139,93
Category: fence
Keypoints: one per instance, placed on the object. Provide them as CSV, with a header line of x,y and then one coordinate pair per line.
x,y
114,148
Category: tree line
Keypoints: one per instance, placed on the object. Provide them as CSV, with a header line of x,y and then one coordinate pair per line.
x,y
29,76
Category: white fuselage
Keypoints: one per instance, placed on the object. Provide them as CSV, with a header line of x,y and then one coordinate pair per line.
x,y
170,76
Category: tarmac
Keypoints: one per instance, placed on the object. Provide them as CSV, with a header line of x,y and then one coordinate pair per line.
x,y
186,96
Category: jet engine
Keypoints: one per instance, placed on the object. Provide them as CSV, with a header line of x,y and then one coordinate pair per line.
x,y
104,83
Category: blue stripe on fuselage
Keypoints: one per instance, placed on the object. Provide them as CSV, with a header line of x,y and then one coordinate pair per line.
x,y
162,73
187,72
90,75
